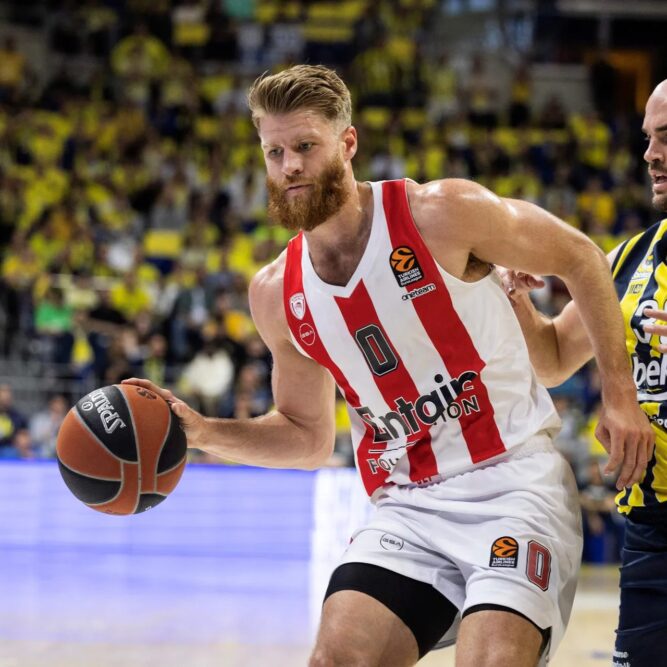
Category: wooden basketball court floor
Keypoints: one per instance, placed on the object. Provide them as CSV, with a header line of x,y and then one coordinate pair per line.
x,y
106,610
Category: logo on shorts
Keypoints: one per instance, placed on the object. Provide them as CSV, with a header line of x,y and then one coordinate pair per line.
x,y
504,552
405,266
297,304
391,543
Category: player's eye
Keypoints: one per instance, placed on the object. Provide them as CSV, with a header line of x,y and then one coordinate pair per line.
x,y
275,152
305,145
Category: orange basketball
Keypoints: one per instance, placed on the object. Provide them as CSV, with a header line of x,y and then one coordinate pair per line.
x,y
402,258
121,449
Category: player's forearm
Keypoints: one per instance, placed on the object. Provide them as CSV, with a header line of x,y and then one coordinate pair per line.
x,y
542,342
597,304
270,441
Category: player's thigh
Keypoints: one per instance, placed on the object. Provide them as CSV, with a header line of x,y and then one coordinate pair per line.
x,y
359,631
498,638
375,616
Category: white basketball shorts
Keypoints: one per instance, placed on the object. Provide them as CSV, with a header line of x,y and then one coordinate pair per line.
x,y
506,534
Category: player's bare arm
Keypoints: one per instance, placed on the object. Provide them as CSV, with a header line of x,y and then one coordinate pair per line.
x,y
300,432
460,219
558,346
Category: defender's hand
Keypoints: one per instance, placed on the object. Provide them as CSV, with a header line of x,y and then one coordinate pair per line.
x,y
654,327
192,422
517,283
625,432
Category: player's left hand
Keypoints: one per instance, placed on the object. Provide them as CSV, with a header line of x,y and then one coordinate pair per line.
x,y
625,432
654,327
517,283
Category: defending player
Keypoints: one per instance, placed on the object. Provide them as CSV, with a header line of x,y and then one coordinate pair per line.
x,y
389,291
559,347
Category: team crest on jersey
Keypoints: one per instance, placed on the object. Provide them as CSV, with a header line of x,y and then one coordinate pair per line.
x,y
504,552
405,266
644,270
297,304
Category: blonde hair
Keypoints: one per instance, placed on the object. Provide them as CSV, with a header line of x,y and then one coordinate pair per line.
x,y
302,87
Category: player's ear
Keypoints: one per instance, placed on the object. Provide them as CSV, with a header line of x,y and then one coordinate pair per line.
x,y
349,139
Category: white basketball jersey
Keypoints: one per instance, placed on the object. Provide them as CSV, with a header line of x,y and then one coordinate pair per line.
x,y
435,371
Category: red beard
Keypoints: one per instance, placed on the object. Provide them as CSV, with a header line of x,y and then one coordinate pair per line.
x,y
325,198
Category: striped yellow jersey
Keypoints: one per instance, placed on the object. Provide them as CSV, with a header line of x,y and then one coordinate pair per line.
x,y
640,276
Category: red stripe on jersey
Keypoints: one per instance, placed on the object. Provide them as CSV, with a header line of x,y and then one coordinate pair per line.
x,y
292,285
443,325
358,312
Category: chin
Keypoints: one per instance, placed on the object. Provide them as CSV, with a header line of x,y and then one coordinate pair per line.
x,y
660,203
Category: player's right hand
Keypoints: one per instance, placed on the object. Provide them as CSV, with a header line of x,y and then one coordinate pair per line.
x,y
626,434
192,422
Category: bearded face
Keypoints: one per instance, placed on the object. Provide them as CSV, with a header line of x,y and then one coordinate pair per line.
x,y
307,208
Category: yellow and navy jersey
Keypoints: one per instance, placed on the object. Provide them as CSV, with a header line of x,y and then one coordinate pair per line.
x,y
640,276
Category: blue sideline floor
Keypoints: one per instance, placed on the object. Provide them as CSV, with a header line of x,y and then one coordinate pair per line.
x,y
222,561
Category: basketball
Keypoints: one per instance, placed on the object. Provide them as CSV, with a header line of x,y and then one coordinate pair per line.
x,y
121,450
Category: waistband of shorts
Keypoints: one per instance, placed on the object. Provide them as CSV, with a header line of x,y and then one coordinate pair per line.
x,y
538,444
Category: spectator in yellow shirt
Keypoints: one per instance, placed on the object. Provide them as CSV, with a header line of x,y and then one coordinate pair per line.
x,y
140,54
129,296
593,139
596,203
12,70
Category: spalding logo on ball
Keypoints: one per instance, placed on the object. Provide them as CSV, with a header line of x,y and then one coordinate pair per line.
x,y
121,449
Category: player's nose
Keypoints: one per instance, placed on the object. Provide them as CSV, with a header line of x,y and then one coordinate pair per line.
x,y
292,163
653,154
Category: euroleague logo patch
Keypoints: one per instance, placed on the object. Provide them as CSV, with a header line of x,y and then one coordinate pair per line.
x,y
405,266
504,552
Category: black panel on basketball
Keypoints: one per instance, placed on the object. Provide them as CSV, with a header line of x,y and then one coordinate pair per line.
x,y
106,413
147,501
89,489
172,455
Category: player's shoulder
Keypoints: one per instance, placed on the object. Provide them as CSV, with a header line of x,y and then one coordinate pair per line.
x,y
449,192
634,248
266,286
450,205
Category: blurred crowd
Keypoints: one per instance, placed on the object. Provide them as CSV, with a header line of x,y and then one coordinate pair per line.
x,y
132,190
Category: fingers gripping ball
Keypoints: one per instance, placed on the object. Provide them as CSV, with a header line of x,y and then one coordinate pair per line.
x,y
121,450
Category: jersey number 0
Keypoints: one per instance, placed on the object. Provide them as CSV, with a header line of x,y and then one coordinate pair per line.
x,y
376,349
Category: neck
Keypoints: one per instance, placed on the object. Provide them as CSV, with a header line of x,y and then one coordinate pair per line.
x,y
348,224
337,245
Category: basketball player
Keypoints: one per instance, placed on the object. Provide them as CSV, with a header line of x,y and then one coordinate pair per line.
x,y
388,291
559,347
